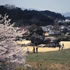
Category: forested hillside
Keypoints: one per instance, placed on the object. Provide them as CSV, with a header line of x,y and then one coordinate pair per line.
x,y
28,17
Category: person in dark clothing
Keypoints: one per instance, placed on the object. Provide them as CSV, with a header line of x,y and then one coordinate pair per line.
x,y
59,47
36,49
33,49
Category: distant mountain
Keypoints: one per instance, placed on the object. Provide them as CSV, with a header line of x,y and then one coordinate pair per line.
x,y
67,14
28,17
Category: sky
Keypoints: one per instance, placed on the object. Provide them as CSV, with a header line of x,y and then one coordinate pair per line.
x,y
60,6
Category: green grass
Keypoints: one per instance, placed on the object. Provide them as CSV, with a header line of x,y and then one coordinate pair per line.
x,y
57,60
50,57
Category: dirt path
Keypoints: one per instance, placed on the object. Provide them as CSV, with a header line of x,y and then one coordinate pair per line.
x,y
46,49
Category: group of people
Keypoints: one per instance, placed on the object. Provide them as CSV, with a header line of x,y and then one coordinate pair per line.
x,y
35,50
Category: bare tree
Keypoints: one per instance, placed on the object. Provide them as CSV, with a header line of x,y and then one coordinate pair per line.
x,y
10,51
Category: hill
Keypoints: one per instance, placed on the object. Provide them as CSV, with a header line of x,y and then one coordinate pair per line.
x,y
28,17
67,14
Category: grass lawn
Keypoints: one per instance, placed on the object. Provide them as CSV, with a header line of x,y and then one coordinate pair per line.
x,y
57,60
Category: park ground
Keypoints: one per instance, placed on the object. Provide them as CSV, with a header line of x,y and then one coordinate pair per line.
x,y
53,60
46,49
49,58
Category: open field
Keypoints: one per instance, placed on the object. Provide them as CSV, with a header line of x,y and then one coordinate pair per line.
x,y
52,56
46,49
50,59
57,60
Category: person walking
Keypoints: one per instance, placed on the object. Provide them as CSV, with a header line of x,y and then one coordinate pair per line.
x,y
28,50
62,46
33,49
36,49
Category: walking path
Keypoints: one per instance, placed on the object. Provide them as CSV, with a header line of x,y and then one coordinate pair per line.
x,y
46,49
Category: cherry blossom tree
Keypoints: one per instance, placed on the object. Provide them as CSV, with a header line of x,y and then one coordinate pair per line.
x,y
10,51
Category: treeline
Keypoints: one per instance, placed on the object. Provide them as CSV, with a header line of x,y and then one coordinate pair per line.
x,y
28,17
